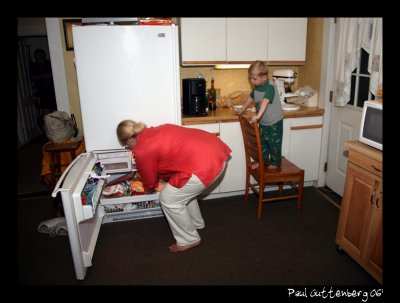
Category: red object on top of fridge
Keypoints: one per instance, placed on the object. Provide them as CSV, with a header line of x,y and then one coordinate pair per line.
x,y
156,21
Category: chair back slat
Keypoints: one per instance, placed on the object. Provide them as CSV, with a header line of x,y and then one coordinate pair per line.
x,y
252,142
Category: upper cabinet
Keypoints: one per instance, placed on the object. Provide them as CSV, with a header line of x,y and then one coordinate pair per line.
x,y
203,40
208,41
287,39
246,39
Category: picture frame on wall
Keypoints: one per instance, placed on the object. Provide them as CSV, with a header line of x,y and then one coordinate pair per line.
x,y
68,23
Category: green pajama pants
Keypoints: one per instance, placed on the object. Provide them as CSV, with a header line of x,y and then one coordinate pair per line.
x,y
271,142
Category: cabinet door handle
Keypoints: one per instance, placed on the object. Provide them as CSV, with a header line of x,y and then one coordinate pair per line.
x,y
372,197
377,169
306,127
377,200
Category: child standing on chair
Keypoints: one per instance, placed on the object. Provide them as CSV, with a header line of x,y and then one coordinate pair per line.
x,y
268,114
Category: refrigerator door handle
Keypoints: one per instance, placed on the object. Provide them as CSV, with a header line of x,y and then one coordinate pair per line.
x,y
62,177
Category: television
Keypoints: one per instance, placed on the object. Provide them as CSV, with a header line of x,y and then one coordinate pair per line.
x,y
371,132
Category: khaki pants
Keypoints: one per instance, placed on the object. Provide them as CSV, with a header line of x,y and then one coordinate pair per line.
x,y
182,209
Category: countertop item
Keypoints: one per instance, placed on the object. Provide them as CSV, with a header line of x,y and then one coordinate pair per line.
x,y
290,107
228,115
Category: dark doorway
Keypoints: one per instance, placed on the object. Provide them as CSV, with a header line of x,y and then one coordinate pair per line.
x,y
30,104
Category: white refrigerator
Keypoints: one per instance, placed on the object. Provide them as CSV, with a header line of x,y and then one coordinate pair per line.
x,y
126,72
123,72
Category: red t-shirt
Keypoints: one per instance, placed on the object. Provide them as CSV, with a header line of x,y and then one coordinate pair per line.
x,y
177,152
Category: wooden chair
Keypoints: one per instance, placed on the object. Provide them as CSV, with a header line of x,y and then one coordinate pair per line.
x,y
287,173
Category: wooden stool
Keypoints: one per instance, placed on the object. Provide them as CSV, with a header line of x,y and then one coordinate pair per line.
x,y
55,160
55,149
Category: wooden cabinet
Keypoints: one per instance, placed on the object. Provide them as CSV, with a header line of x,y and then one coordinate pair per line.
x,y
207,41
302,144
359,231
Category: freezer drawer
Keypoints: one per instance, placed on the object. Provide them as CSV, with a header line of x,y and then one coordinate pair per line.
x,y
131,208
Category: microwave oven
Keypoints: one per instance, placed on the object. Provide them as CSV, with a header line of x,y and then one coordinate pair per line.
x,y
371,132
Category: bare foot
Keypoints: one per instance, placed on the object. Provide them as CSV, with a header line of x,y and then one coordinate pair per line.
x,y
177,248
273,167
254,165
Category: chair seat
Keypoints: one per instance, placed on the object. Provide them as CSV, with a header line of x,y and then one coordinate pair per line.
x,y
61,147
287,169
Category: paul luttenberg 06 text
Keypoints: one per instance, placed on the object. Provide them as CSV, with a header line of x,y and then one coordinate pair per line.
x,y
331,293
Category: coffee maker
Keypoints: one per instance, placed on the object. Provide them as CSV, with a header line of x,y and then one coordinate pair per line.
x,y
194,97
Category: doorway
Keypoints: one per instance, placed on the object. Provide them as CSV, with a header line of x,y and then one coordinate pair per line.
x,y
29,120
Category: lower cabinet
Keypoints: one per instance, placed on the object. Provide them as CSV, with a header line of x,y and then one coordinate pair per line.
x,y
213,128
301,144
235,174
234,178
359,231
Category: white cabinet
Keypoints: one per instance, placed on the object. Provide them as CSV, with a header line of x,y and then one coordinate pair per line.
x,y
246,39
302,144
214,129
287,39
203,40
234,177
242,40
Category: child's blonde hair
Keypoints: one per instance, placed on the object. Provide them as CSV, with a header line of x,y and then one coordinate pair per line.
x,y
258,68
129,129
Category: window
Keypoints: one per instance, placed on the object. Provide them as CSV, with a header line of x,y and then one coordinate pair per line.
x,y
360,79
358,60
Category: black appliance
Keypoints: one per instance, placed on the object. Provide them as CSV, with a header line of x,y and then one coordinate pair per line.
x,y
194,97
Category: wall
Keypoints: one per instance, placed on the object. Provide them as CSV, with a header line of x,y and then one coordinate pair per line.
x,y
229,80
70,73
310,73
31,27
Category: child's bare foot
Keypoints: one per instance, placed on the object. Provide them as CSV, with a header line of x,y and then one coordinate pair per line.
x,y
254,165
273,167
177,248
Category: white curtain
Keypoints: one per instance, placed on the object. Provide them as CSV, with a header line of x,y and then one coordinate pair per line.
x,y
354,34
375,56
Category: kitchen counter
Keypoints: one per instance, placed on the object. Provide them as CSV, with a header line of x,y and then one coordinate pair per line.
x,y
228,115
